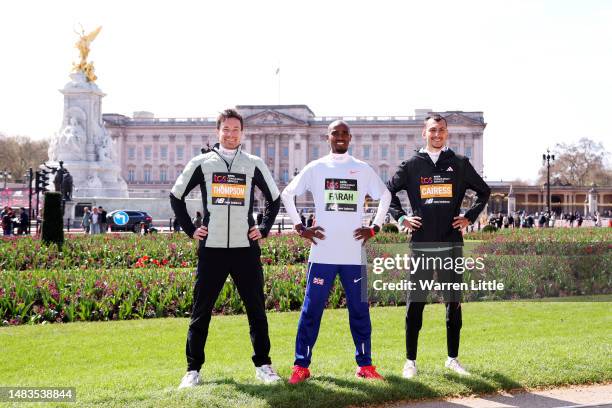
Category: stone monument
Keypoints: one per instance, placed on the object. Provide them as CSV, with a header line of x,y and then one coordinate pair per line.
x,y
83,143
511,201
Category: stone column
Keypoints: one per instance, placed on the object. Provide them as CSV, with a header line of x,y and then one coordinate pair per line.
x,y
511,201
477,152
291,154
592,200
276,157
262,147
304,152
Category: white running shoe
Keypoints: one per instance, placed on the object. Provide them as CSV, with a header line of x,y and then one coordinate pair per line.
x,y
191,379
266,374
410,369
454,365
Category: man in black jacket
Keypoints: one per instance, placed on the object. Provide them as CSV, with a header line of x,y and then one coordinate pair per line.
x,y
435,179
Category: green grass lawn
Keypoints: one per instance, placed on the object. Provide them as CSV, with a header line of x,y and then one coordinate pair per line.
x,y
506,345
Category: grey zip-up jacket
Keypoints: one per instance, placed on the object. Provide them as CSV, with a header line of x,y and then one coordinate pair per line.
x,y
227,196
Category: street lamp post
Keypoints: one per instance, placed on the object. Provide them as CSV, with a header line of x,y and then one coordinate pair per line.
x,y
5,175
30,176
546,160
295,173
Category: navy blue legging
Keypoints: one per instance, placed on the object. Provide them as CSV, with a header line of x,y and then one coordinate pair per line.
x,y
320,279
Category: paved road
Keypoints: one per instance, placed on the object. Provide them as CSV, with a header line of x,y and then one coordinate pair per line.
x,y
570,397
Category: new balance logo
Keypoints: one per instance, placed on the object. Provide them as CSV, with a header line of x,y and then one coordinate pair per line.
x,y
318,281
449,168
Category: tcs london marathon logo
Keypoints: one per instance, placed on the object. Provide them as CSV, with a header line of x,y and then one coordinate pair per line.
x,y
228,188
340,195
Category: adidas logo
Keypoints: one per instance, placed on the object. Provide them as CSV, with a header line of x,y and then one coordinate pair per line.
x,y
449,168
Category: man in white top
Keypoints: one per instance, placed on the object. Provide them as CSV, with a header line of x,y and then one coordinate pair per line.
x,y
339,184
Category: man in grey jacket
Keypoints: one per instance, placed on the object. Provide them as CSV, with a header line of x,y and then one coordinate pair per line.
x,y
227,239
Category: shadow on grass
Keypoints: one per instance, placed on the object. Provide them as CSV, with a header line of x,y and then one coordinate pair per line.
x,y
327,391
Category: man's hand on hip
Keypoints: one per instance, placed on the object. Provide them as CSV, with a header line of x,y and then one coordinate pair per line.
x,y
412,223
460,222
200,233
255,233
311,233
363,233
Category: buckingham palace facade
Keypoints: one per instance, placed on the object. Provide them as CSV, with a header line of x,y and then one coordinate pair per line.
x,y
152,151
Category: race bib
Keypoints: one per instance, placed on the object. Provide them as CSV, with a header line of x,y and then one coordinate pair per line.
x,y
436,189
341,195
228,188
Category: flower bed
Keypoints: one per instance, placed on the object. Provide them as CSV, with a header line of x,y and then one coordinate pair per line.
x,y
75,295
125,276
119,251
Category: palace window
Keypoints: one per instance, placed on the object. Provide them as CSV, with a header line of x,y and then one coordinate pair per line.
x,y
366,152
401,152
384,152
147,174
384,173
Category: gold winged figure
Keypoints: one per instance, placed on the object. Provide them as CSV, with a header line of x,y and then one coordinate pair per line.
x,y
82,45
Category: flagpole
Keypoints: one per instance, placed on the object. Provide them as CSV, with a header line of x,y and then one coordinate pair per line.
x,y
279,82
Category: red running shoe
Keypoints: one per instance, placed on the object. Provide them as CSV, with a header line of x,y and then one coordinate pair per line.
x,y
299,374
368,372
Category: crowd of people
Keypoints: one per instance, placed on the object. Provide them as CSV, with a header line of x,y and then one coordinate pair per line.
x,y
14,223
544,219
94,221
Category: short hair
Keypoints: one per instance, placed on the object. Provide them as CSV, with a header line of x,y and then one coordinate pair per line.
x,y
229,113
336,123
437,118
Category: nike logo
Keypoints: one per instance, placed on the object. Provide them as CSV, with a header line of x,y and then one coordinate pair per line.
x,y
357,280
353,171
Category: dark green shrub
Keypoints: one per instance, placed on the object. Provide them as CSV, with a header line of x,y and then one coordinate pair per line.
x,y
489,228
390,228
53,223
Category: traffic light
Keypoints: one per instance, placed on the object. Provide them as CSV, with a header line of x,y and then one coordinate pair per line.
x,y
42,181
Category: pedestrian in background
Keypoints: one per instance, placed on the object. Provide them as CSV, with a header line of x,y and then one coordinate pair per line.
x,y
86,221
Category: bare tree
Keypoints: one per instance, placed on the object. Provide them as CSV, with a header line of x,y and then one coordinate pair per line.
x,y
18,153
579,164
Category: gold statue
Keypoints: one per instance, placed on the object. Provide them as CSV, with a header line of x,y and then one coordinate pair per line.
x,y
83,46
